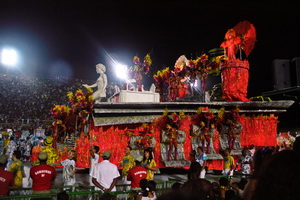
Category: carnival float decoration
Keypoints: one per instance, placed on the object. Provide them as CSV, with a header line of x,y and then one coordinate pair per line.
x,y
182,80
235,69
138,69
183,120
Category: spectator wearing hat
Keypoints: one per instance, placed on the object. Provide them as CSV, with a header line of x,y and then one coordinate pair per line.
x,y
137,173
6,178
105,174
51,152
42,175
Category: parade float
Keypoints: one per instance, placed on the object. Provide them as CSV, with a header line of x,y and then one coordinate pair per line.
x,y
177,114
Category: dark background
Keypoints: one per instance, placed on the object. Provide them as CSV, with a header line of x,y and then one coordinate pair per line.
x,y
70,37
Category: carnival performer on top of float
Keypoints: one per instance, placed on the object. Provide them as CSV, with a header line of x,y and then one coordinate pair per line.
x,y
231,44
235,71
100,84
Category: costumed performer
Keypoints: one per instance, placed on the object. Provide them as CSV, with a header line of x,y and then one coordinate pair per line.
x,y
149,163
172,134
127,163
51,152
69,170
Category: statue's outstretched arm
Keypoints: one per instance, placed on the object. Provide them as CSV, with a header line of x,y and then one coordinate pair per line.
x,y
89,86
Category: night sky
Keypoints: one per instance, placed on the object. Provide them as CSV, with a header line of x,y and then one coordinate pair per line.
x,y
70,37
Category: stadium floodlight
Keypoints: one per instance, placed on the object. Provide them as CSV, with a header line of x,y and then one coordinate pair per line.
x,y
9,57
121,71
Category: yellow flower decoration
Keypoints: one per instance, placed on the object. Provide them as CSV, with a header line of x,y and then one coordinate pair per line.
x,y
90,90
165,112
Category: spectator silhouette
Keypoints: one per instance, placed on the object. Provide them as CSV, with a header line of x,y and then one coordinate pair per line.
x,y
279,177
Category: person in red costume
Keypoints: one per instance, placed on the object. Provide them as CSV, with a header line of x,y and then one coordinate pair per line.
x,y
235,71
137,173
231,44
6,178
42,176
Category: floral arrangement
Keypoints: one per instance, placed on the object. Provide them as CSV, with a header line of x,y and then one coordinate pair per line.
x,y
201,67
82,106
140,68
60,115
81,101
65,118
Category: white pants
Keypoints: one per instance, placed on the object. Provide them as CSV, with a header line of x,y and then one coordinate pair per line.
x,y
202,173
226,171
126,182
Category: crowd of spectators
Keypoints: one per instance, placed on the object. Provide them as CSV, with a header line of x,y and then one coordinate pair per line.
x,y
27,99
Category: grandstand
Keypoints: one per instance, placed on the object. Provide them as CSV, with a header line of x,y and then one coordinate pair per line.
x,y
27,99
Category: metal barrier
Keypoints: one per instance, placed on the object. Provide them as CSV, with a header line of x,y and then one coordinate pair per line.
x,y
83,192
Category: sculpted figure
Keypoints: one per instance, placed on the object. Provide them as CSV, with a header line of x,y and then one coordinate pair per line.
x,y
100,84
173,141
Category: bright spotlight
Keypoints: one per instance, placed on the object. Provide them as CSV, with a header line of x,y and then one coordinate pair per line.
x,y
9,57
121,71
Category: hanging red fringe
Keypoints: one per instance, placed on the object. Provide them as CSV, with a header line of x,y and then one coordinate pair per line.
x,y
259,130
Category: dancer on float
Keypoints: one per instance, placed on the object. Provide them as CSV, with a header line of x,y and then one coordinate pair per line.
x,y
172,134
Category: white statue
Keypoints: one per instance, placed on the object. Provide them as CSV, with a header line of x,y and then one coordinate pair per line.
x,y
152,88
101,84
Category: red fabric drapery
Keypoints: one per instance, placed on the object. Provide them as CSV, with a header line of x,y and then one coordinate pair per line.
x,y
259,130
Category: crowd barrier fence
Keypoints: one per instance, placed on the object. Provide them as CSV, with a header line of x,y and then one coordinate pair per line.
x,y
83,192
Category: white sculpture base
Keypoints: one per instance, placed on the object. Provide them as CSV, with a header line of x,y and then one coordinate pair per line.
x,y
135,96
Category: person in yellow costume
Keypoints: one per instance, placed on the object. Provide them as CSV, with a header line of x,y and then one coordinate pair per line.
x,y
51,152
6,141
149,163
17,168
228,163
127,163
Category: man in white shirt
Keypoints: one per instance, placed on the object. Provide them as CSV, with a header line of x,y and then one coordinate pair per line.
x,y
94,160
105,174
